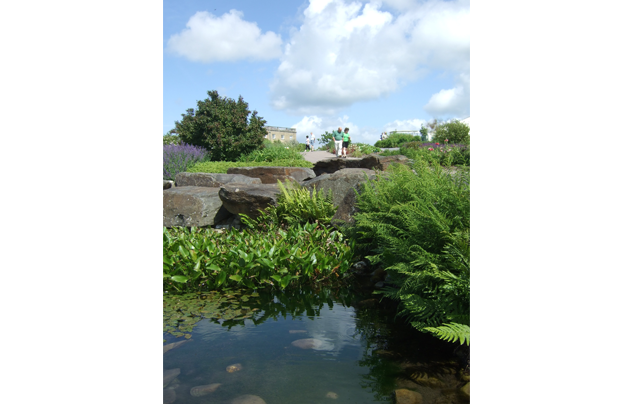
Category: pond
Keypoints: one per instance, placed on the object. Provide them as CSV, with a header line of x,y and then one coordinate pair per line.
x,y
308,346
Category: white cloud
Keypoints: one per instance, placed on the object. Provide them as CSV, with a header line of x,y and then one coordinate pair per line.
x,y
208,38
409,124
345,52
451,102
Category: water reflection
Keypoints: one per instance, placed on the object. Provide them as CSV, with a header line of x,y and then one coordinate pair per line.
x,y
305,346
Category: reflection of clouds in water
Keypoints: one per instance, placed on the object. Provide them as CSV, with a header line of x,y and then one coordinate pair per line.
x,y
335,327
208,330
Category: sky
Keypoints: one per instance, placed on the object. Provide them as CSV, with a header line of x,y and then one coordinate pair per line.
x,y
373,66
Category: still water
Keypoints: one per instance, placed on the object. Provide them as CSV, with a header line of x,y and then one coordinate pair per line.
x,y
318,346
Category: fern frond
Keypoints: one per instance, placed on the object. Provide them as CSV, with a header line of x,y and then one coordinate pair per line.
x,y
450,332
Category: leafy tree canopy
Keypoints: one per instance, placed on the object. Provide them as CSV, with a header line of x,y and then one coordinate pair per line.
x,y
454,131
222,125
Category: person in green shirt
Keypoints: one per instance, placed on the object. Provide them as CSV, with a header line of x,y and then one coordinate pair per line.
x,y
337,140
346,139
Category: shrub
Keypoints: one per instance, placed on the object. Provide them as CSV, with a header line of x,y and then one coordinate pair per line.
x,y
435,153
179,158
273,152
170,138
396,139
453,132
221,125
222,166
416,226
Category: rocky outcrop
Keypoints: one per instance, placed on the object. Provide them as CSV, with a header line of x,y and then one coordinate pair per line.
x,y
248,199
341,183
271,175
213,180
192,207
330,166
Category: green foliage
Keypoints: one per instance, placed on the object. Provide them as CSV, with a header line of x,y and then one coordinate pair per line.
x,y
222,125
273,152
444,154
223,166
325,138
416,226
396,139
451,332
296,205
203,259
454,132
170,138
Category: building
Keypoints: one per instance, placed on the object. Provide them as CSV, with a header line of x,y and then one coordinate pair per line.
x,y
282,134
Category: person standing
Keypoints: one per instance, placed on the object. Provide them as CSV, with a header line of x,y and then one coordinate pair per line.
x,y
307,148
313,141
337,140
346,140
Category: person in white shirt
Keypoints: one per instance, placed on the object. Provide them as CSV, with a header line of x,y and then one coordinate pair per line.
x,y
313,141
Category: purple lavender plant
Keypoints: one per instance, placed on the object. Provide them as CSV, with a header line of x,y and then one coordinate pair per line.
x,y
180,157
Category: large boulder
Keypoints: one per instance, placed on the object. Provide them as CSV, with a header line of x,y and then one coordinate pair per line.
x,y
248,199
192,207
212,180
271,175
330,166
339,182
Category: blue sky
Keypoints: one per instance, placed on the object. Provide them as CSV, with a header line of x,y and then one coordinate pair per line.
x,y
315,65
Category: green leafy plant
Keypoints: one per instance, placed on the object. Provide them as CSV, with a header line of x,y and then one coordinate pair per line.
x,y
297,205
223,166
453,132
267,255
416,226
222,126
273,152
396,139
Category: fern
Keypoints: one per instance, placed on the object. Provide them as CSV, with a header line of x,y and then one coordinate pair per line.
x,y
451,332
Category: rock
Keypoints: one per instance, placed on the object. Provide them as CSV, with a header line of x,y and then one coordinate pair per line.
x,y
339,182
169,347
166,184
248,199
297,331
330,166
466,390
214,180
199,391
271,175
404,396
379,285
312,343
169,375
248,399
168,396
331,394
234,368
192,207
378,275
360,266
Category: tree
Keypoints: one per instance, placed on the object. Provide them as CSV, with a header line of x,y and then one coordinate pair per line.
x,y
430,128
454,131
221,125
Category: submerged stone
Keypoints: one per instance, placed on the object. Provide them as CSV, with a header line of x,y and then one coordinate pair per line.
x,y
297,331
248,399
234,368
404,396
169,375
331,394
199,391
172,345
